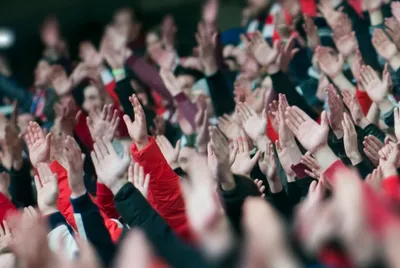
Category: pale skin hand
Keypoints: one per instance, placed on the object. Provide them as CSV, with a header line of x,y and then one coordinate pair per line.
x,y
371,148
137,177
350,140
243,162
47,189
314,170
385,48
38,144
267,162
104,123
229,127
202,124
393,29
206,41
170,82
377,89
336,109
72,157
397,123
6,236
170,153
137,129
110,168
286,161
330,62
350,100
253,125
312,33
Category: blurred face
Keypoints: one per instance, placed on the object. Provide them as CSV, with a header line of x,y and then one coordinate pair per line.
x,y
186,82
42,74
92,99
86,51
123,21
154,46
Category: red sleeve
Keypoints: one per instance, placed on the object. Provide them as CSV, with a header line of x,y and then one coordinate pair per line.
x,y
308,7
6,207
390,186
65,207
164,190
271,133
105,201
364,100
110,90
81,130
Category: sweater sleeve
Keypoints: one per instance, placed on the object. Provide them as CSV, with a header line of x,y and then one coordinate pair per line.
x,y
137,212
221,95
164,190
105,201
282,84
91,227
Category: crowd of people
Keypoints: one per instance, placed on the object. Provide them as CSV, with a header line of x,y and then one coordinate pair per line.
x,y
275,144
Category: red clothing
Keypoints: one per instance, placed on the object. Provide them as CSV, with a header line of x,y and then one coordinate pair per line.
x,y
105,201
364,100
6,207
65,207
164,194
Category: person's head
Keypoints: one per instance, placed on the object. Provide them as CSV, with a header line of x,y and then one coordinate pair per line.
x,y
42,74
92,99
126,21
154,45
50,32
86,50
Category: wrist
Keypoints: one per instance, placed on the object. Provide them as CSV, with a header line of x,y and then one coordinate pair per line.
x,y
210,67
142,143
355,158
273,68
261,142
375,16
395,62
385,105
275,186
227,181
78,191
117,185
363,123
388,170
48,210
325,157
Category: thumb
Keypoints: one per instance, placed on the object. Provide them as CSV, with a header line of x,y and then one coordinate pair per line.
x,y
324,120
127,120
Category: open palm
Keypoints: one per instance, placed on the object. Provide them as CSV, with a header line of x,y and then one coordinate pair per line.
x,y
38,143
137,128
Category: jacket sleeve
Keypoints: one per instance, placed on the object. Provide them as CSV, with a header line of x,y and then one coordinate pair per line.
x,y
105,201
6,207
391,187
373,130
164,190
61,233
21,186
137,212
91,227
221,95
65,207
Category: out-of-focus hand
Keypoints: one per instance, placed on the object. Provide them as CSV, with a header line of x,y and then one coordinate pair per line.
x,y
331,15
372,146
350,140
110,168
371,5
72,158
314,170
267,162
103,124
287,52
207,42
262,52
377,89
60,81
286,160
47,189
137,177
253,125
257,99
243,162
329,61
6,237
170,153
38,144
350,100
389,159
273,113
260,187
375,179
67,116
11,148
137,128
5,184
385,48
170,82
134,249
312,33
201,120
336,109
229,127
311,135
346,43
395,6
393,29
159,126
397,123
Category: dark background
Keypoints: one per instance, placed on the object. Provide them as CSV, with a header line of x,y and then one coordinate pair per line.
x,y
85,19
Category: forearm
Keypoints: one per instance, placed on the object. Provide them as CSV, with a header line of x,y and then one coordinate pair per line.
x,y
343,83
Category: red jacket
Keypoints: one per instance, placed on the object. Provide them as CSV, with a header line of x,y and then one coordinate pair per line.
x,y
165,194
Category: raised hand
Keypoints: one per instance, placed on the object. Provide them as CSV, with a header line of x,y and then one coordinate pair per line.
x,y
262,52
336,109
207,42
6,237
372,146
346,43
137,129
350,100
137,177
350,140
331,15
267,162
371,5
72,157
38,144
287,53
377,89
229,127
260,187
11,148
314,170
253,125
312,33
273,114
170,153
170,82
47,189
103,124
66,115
286,160
201,120
397,123
5,184
393,29
375,179
311,135
395,6
385,48
329,61
60,81
159,126
285,135
110,168
243,163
